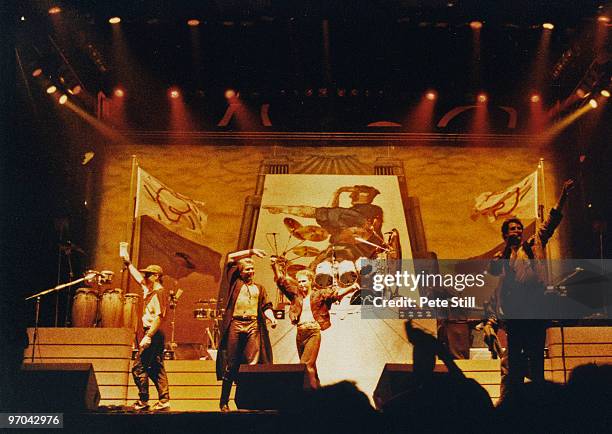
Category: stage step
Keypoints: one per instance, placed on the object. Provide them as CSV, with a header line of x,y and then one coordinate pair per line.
x,y
194,386
108,349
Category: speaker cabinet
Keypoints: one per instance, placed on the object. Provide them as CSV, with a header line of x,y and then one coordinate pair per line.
x,y
61,387
269,387
397,378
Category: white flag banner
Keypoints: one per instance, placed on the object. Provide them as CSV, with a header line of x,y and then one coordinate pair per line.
x,y
519,200
179,213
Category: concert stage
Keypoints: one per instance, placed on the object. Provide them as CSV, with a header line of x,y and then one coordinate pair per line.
x,y
193,383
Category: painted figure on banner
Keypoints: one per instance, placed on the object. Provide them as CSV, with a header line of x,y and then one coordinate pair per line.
x,y
353,232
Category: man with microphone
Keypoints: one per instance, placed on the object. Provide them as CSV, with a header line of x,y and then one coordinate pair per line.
x,y
522,269
149,362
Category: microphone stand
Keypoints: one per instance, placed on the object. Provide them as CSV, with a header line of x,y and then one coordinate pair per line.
x,y
38,296
70,277
170,353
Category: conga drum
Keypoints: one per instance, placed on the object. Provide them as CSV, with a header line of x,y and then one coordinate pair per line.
x,y
111,308
84,307
130,311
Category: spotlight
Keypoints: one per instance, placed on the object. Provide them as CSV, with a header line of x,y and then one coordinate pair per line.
x,y
51,89
75,90
581,93
174,93
482,97
548,26
431,95
535,98
114,20
87,157
603,19
54,10
63,99
119,93
593,103
230,93
193,22
476,25
605,93
37,72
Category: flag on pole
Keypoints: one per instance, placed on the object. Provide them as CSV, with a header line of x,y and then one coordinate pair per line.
x,y
192,267
519,200
178,212
178,256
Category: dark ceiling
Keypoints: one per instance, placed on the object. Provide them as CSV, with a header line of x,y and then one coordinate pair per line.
x,y
263,47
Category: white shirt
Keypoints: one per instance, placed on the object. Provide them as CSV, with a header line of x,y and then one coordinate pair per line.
x,y
306,315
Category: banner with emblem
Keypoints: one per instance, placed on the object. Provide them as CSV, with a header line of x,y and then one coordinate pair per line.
x,y
179,213
520,200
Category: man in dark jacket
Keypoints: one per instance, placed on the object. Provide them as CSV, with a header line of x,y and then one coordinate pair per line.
x,y
522,269
309,311
244,335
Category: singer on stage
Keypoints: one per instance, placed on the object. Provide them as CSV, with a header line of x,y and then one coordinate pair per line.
x,y
523,274
149,362
244,335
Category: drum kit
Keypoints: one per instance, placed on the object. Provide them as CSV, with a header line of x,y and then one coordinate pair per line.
x,y
209,310
331,266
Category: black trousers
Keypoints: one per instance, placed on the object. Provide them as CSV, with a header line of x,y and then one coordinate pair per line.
x,y
149,363
243,345
525,353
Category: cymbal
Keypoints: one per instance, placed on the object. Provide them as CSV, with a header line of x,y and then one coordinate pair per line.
x,y
305,251
294,268
311,233
348,235
291,224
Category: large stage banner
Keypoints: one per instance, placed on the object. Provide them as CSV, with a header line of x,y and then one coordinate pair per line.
x,y
327,223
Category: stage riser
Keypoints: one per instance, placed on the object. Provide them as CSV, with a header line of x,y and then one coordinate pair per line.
x,y
184,392
108,349
580,350
569,347
194,386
